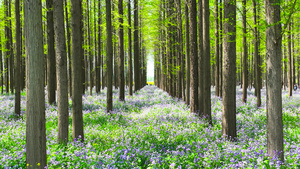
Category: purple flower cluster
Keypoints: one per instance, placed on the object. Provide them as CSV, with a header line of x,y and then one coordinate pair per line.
x,y
152,130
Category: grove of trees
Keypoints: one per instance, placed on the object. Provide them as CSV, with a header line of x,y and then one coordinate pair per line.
x,y
71,47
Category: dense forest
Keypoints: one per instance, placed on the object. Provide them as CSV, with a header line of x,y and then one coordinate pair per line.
x,y
68,66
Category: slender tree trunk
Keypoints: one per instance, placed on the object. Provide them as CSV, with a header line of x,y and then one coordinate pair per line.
x,y
17,60
95,54
285,68
187,53
130,49
100,69
229,74
194,56
51,70
83,56
23,69
109,61
290,61
179,51
245,54
137,70
11,52
69,48
7,47
273,70
206,63
89,53
256,56
217,79
121,53
221,50
62,74
76,34
201,58
1,67
35,96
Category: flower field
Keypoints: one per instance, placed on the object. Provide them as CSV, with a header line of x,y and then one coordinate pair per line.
x,y
153,130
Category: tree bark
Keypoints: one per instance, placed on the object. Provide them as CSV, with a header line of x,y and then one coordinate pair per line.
x,y
206,63
273,71
221,50
194,56
179,51
109,61
7,47
229,71
201,59
245,54
130,49
69,48
35,95
137,68
51,70
99,68
121,53
290,61
62,74
285,81
256,56
217,79
11,52
17,60
76,35
187,53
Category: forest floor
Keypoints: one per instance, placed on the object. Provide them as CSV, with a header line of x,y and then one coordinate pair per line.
x,y
153,130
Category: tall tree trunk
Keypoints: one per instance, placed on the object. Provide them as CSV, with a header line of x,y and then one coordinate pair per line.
x,y
7,47
90,55
11,52
229,74
201,58
179,51
194,56
83,55
130,49
76,35
17,60
115,52
206,63
95,54
109,61
217,79
136,53
290,61
100,69
221,50
245,54
51,70
121,53
273,70
23,69
256,56
69,48
35,96
62,74
187,53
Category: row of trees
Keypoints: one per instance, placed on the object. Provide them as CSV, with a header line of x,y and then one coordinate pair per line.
x,y
86,46
81,50
190,59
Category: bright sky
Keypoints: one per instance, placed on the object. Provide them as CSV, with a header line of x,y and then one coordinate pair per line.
x,y
150,66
